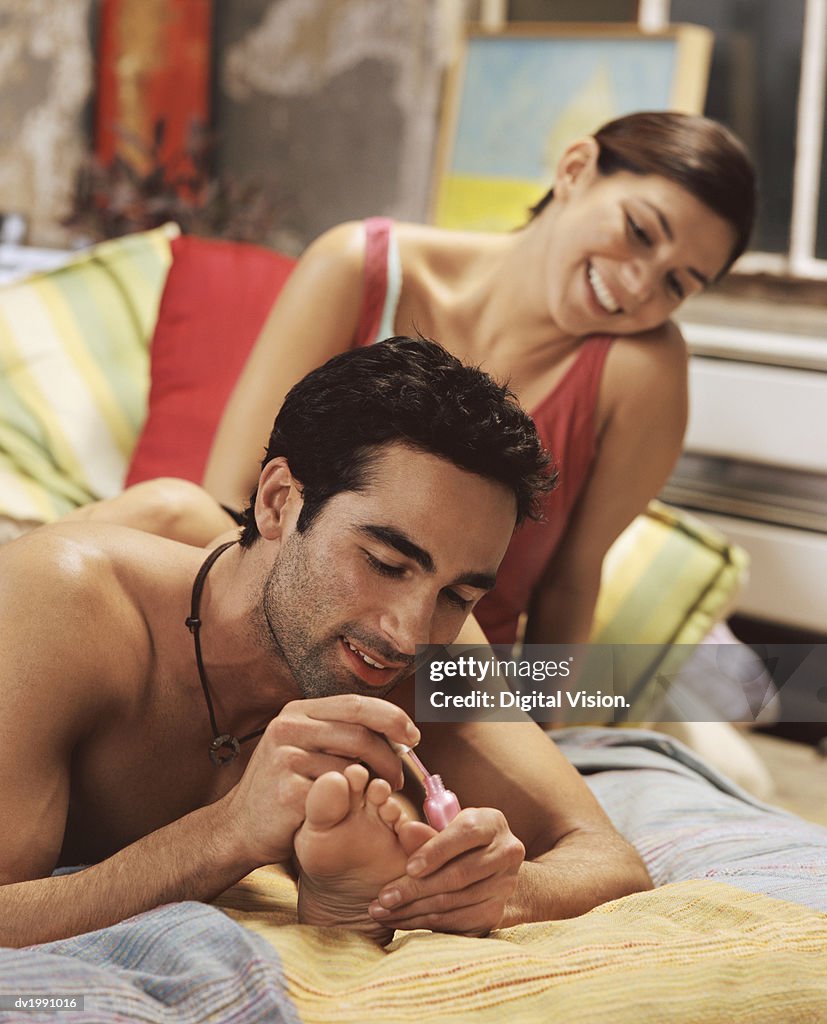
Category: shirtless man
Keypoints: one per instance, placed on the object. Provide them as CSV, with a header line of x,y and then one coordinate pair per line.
x,y
172,721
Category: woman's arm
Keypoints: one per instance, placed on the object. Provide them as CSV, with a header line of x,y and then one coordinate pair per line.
x,y
314,317
643,397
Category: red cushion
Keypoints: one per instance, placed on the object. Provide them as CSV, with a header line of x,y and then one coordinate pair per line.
x,y
214,304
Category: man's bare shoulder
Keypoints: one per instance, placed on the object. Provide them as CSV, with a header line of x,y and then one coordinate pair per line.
x,y
78,652
85,559
76,601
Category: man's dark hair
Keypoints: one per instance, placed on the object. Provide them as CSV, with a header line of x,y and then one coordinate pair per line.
x,y
412,392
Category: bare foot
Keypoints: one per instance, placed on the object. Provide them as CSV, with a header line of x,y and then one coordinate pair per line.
x,y
351,843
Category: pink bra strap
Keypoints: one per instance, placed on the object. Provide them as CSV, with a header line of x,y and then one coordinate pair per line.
x,y
375,286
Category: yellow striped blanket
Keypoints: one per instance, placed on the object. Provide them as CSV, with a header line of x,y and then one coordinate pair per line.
x,y
694,951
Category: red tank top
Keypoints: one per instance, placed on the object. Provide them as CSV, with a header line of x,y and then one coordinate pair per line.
x,y
565,421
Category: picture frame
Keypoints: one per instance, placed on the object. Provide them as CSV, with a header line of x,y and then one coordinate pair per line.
x,y
514,99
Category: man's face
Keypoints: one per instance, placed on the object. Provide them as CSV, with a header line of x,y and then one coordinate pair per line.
x,y
401,563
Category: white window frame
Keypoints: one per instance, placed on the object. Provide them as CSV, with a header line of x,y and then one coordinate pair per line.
x,y
800,259
809,145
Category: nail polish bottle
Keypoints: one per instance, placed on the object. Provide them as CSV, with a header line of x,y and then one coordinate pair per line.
x,y
441,805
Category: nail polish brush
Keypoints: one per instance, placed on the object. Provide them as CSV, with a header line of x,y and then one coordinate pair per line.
x,y
441,805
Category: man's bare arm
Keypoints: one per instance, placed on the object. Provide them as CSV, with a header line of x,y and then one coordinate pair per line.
x,y
57,684
199,855
575,858
585,868
515,785
194,858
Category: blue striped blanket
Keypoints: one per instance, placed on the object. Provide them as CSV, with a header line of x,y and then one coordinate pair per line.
x,y
190,962
182,962
689,821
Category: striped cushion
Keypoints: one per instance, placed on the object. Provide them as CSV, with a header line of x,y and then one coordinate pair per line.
x,y
668,578
666,581
74,374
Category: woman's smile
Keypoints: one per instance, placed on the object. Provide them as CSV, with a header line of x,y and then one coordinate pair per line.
x,y
623,251
602,293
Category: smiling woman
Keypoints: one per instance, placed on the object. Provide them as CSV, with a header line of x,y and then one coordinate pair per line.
x,y
646,242
573,310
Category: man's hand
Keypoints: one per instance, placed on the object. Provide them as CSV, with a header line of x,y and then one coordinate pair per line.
x,y
306,739
459,880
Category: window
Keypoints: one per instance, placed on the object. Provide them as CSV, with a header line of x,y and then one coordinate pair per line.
x,y
767,82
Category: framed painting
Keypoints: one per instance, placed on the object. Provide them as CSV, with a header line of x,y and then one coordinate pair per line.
x,y
153,65
515,99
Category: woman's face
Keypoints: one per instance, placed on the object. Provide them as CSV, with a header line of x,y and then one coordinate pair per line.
x,y
625,250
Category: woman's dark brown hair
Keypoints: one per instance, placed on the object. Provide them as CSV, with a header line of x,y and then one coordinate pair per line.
x,y
695,152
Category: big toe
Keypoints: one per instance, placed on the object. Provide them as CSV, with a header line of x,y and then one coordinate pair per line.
x,y
328,801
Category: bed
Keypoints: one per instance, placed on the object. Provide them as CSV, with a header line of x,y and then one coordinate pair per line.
x,y
736,930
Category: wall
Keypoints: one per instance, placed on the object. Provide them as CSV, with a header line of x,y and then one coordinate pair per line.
x,y
334,102
45,84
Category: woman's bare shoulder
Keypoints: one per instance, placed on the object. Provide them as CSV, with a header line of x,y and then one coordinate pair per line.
x,y
430,237
341,249
663,342
342,245
328,275
646,379
660,354
440,253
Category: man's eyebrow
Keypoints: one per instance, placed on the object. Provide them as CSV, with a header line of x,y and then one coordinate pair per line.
x,y
478,580
667,230
404,545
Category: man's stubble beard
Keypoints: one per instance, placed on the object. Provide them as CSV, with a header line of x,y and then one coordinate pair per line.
x,y
291,604
284,630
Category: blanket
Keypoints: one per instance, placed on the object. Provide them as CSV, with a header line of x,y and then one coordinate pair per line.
x,y
182,962
688,821
696,949
687,952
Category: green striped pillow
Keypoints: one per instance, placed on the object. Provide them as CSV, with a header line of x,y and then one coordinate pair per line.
x,y
667,580
74,374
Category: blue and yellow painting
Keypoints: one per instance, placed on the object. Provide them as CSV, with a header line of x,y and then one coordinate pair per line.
x,y
523,101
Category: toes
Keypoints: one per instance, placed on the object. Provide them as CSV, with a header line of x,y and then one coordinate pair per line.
x,y
357,777
391,812
378,792
413,834
328,800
